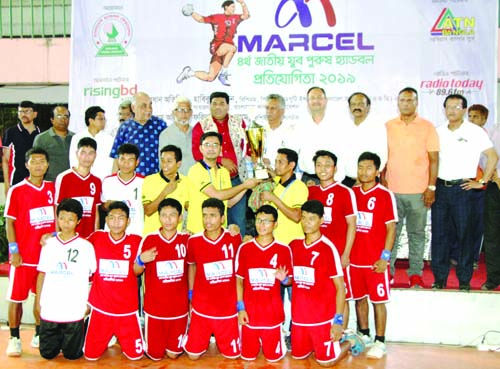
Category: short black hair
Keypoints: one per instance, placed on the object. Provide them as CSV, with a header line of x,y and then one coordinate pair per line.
x,y
211,134
128,148
170,202
314,207
87,142
119,205
368,101
172,148
218,94
456,96
291,155
316,88
71,206
35,150
91,113
409,89
370,156
268,209
212,202
325,153
227,3
27,104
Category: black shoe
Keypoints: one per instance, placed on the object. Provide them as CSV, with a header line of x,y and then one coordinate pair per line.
x,y
465,287
489,286
438,285
288,342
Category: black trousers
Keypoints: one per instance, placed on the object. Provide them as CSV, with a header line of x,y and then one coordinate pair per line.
x,y
491,243
65,337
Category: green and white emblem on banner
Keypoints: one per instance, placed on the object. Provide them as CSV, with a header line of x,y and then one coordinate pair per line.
x,y
112,33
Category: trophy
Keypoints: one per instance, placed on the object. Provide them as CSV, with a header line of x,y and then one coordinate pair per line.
x,y
255,134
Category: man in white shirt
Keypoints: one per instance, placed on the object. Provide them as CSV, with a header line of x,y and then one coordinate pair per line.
x,y
278,134
363,134
454,210
95,121
317,132
180,133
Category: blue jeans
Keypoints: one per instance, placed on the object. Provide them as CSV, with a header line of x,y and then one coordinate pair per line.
x,y
412,209
238,213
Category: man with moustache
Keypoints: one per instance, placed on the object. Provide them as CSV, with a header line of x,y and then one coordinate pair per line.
x,y
233,145
278,133
143,130
56,141
16,142
364,133
411,174
180,133
321,125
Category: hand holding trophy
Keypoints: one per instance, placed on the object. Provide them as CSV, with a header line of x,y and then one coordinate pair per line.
x,y
255,134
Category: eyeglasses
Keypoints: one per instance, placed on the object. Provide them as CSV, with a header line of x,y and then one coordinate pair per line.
x,y
264,221
62,116
208,145
456,107
183,110
25,111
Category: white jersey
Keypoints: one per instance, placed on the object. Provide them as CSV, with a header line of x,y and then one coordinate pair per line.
x,y
115,189
67,266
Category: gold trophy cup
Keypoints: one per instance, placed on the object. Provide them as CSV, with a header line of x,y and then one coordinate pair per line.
x,y
255,134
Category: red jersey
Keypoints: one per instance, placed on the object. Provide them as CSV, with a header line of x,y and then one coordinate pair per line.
x,y
87,190
214,290
376,208
32,209
224,26
165,278
339,203
257,265
313,291
114,286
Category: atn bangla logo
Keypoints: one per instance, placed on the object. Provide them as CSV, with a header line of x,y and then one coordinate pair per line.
x,y
448,24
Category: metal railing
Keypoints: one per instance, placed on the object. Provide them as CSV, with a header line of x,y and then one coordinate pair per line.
x,y
35,18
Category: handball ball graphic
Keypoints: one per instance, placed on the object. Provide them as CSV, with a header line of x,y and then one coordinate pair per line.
x,y
187,10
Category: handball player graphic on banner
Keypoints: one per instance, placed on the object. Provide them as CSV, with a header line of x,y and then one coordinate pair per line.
x,y
251,48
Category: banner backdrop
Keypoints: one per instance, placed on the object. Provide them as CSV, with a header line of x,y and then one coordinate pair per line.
x,y
439,47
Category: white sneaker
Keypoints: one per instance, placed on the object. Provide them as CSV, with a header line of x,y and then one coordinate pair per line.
x,y
367,340
35,341
377,351
224,78
14,347
185,74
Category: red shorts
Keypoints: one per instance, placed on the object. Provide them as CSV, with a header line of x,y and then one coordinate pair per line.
x,y
306,339
347,282
214,46
273,343
102,327
225,330
365,282
164,335
22,281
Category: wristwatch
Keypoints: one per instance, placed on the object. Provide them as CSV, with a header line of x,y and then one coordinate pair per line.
x,y
431,187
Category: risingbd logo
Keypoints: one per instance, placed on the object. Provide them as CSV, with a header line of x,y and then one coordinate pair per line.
x,y
112,34
447,24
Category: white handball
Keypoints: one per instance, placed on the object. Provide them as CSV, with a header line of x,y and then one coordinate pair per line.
x,y
188,9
